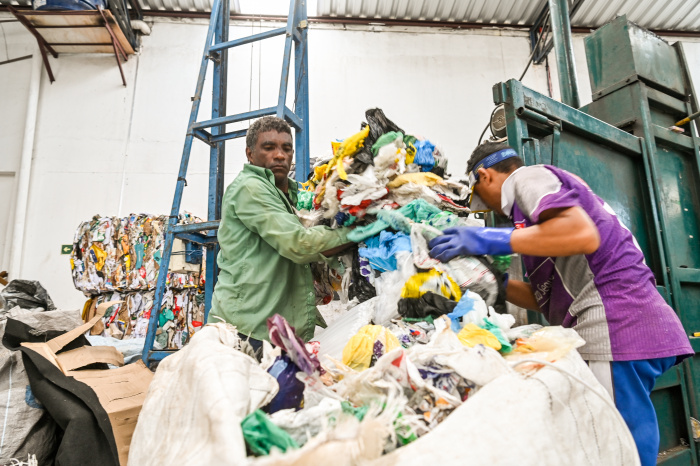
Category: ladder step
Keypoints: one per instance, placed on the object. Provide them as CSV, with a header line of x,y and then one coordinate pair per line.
x,y
293,119
226,136
198,238
159,355
194,227
234,118
247,40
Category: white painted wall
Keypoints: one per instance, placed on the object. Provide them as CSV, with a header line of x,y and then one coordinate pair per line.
x,y
103,148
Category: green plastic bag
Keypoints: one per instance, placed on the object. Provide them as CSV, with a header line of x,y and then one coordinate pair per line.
x,y
305,200
506,347
384,139
261,434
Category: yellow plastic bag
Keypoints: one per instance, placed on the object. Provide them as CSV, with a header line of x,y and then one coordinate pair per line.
x,y
349,147
424,178
358,352
433,280
472,335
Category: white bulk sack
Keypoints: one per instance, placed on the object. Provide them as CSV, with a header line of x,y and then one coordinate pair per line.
x,y
546,419
197,400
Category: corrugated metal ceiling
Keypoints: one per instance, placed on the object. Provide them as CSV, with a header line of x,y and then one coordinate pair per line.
x,y
679,15
664,15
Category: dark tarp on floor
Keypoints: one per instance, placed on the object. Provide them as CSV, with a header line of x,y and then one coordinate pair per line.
x,y
85,433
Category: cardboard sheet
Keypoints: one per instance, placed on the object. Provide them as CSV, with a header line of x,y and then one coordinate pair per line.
x,y
121,391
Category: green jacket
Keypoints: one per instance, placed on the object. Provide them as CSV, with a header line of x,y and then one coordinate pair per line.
x,y
264,257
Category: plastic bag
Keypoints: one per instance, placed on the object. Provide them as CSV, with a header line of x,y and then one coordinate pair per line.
x,y
262,435
426,179
283,335
424,155
522,332
291,392
386,138
430,304
368,345
389,285
548,343
472,335
334,338
381,250
309,422
27,294
433,280
498,333
378,125
417,211
305,200
360,287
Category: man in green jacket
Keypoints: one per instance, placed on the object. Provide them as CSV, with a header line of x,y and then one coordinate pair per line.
x,y
265,250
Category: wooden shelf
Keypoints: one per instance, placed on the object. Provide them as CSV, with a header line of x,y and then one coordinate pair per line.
x,y
70,31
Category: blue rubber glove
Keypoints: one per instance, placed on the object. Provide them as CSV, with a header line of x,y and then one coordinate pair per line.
x,y
471,241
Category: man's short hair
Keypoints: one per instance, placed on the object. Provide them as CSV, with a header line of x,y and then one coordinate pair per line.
x,y
264,124
487,148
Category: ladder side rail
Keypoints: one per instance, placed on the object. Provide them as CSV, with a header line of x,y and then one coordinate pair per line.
x,y
301,98
179,188
286,58
217,152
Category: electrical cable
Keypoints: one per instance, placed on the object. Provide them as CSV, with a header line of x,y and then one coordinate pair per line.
x,y
545,32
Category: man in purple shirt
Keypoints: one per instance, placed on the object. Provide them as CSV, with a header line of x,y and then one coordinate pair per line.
x,y
586,272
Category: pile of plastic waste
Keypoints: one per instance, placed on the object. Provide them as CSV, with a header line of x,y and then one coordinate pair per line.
x,y
118,259
415,374
414,327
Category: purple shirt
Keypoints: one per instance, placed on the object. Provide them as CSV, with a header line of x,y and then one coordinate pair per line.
x,y
609,297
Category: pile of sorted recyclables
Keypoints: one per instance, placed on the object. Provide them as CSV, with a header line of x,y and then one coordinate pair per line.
x,y
410,341
117,258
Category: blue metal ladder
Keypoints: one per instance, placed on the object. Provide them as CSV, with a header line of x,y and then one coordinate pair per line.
x,y
213,132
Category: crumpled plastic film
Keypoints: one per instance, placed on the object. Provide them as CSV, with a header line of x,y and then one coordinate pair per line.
x,y
424,155
434,281
381,250
471,335
262,436
371,342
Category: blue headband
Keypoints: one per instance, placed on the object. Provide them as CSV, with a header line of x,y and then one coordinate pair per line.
x,y
493,159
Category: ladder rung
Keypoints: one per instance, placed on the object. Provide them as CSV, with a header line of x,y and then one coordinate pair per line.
x,y
235,118
226,136
197,238
194,227
247,40
159,355
202,136
293,119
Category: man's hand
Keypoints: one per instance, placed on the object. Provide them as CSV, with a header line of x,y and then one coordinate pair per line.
x,y
471,241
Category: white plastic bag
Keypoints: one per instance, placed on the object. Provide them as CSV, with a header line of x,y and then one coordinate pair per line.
x,y
389,285
334,338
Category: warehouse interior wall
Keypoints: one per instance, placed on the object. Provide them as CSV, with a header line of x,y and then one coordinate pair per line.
x,y
102,148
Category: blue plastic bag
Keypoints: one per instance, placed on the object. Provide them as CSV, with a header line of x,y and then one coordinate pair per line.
x,y
424,155
291,392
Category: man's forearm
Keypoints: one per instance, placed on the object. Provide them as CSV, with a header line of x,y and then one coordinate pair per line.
x,y
564,232
337,250
520,294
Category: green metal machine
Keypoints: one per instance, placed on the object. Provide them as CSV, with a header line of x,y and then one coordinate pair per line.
x,y
621,146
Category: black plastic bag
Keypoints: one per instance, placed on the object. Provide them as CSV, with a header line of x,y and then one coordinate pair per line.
x,y
27,294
